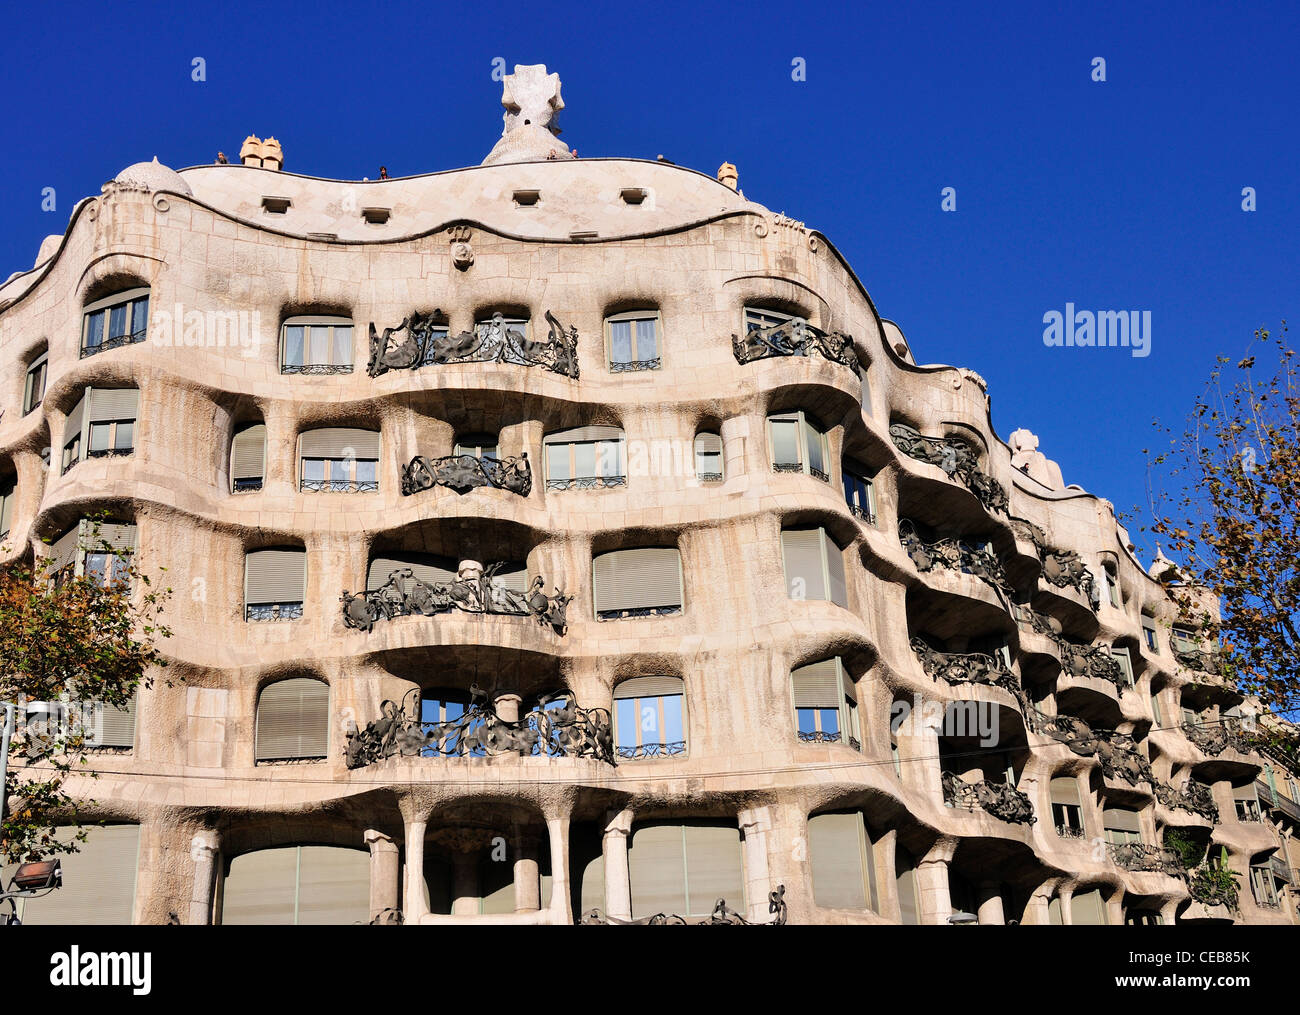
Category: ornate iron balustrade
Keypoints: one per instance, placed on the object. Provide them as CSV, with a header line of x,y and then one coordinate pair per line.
x,y
642,752
1211,887
1092,661
1141,857
116,342
463,473
422,340
1194,798
860,512
819,737
1065,569
1069,832
338,486
586,483
1281,869
956,457
787,467
709,477
566,731
1002,800
638,612
634,365
471,591
247,485
954,554
722,916
1214,738
316,368
964,667
110,453
818,474
794,338
1116,752
1200,660
258,613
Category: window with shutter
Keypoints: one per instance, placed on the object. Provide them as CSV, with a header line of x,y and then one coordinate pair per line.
x,y
1246,801
798,443
339,460
905,880
708,458
7,489
843,873
1149,635
825,704
1125,661
1067,813
684,868
316,345
814,566
115,321
248,458
297,885
585,458
859,492
292,720
1088,909
632,341
480,445
101,425
34,387
275,583
98,880
637,583
101,552
649,717
1121,825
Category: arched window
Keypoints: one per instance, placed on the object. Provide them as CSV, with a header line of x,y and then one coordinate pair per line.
x,y
1121,825
292,720
114,321
649,717
248,458
101,425
798,443
840,854
275,584
643,582
826,704
316,345
708,458
1067,813
1088,908
339,460
814,566
632,340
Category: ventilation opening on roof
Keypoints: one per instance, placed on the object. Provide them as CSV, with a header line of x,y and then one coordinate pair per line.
x,y
527,198
376,216
583,234
276,205
322,236
632,195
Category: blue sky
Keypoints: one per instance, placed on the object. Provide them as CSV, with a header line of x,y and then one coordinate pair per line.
x,y
1115,195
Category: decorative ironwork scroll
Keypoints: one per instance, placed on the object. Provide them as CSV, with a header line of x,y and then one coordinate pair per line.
x,y
471,591
421,340
115,342
1000,799
1062,568
1214,738
1076,660
954,554
956,457
642,751
555,728
794,338
463,473
1140,856
722,916
1194,798
1199,659
964,667
1116,752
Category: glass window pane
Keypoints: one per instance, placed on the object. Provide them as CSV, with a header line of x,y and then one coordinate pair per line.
x,y
97,567
140,316
814,447
648,715
647,339
830,718
313,469
609,459
557,461
367,470
320,345
620,341
95,329
708,463
343,345
293,338
674,731
99,434
341,469
807,720
625,723
125,436
121,565
785,442
585,459
117,321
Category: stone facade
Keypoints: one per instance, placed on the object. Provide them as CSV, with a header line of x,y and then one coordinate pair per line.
x,y
230,252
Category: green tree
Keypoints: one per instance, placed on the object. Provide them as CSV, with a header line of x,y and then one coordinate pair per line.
x,y
76,640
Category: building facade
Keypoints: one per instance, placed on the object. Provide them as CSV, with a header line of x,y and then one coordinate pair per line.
x,y
563,540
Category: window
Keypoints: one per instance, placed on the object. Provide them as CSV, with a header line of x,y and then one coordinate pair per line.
x,y
905,881
649,718
1067,814
275,583
825,704
814,566
316,345
758,319
34,391
496,327
708,458
1112,585
297,885
637,583
7,487
1262,886
1121,656
1181,639
105,559
798,444
1155,709
248,458
101,425
585,458
439,707
859,493
1149,635
117,320
480,445
1121,825
1088,909
633,341
339,460
843,871
1246,801
292,720
684,868
103,889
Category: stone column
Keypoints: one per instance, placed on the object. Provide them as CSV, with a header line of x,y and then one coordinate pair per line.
x,y
755,823
507,706
990,908
528,883
385,873
1037,913
204,849
561,907
618,885
464,885
932,883
415,907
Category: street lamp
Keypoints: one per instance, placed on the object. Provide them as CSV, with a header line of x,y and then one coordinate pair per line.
x,y
33,878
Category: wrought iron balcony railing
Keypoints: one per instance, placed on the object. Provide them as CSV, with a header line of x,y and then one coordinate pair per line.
x,y
115,342
247,485
1116,752
463,473
867,516
424,340
1281,869
795,337
586,483
1277,801
269,612
110,452
1141,857
316,368
953,554
964,667
1200,660
634,365
709,477
722,916
338,486
1194,798
1214,737
1070,832
956,457
1002,800
639,612
641,752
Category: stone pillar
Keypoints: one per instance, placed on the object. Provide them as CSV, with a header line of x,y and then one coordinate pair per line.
x,y
932,892
464,885
990,908
204,849
385,873
736,436
528,882
1037,913
415,907
507,706
618,884
561,907
755,823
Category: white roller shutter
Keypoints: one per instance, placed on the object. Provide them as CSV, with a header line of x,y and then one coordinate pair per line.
x,y
293,720
339,442
836,854
426,568
819,685
108,404
648,687
637,579
585,433
248,453
98,880
802,553
275,576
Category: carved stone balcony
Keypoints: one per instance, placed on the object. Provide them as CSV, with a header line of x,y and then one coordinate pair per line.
x,y
1141,857
964,667
722,916
1002,800
1194,798
463,473
1061,568
956,457
953,554
562,731
1076,660
794,338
